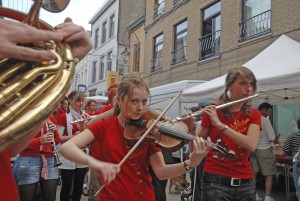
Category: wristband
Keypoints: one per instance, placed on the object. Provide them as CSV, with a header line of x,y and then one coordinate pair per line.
x,y
185,165
225,127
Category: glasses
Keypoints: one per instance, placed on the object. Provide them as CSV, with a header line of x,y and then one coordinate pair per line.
x,y
246,84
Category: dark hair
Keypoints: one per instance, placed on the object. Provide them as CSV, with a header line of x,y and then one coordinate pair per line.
x,y
91,101
65,99
264,105
75,95
231,77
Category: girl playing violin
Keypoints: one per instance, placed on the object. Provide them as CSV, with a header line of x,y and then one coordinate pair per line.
x,y
134,181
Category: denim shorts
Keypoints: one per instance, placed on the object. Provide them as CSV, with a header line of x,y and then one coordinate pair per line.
x,y
27,170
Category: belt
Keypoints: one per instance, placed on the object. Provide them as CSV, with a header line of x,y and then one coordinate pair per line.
x,y
226,181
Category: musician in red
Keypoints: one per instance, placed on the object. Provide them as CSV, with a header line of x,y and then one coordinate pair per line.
x,y
62,107
72,174
91,107
112,91
36,164
238,126
134,180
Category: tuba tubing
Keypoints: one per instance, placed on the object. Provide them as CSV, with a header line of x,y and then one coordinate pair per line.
x,y
30,91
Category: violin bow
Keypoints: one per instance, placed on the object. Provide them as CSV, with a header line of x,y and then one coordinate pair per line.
x,y
143,137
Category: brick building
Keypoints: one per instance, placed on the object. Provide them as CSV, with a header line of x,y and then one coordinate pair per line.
x,y
201,39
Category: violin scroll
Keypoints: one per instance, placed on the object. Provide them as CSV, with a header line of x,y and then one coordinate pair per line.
x,y
223,151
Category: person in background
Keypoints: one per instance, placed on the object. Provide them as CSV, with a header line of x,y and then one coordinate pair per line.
x,y
296,173
62,107
134,181
263,158
91,107
292,148
112,91
292,143
10,48
237,126
35,164
72,174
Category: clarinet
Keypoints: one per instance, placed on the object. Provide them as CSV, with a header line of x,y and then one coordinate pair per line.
x,y
55,155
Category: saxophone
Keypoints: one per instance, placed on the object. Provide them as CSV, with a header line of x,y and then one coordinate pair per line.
x,y
30,91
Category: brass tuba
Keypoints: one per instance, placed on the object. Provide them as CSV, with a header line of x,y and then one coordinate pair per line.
x,y
30,91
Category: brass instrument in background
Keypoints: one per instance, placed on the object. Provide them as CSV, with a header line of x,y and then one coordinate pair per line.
x,y
30,91
55,155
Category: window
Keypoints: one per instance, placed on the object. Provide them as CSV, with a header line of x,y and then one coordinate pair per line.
x,y
256,19
103,39
85,74
158,8
94,71
96,38
112,26
109,61
101,68
157,54
180,43
136,57
211,23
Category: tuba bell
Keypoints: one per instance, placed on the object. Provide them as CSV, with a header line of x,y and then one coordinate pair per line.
x,y
30,91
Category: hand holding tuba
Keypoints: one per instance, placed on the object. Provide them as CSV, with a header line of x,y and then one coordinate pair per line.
x,y
29,91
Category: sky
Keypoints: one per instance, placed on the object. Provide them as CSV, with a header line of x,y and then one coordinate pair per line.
x,y
81,11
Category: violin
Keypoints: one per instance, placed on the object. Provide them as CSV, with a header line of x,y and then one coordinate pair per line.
x,y
170,136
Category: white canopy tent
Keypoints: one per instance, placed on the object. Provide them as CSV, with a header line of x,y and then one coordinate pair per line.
x,y
277,69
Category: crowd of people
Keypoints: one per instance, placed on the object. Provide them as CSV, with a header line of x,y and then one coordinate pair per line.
x,y
99,146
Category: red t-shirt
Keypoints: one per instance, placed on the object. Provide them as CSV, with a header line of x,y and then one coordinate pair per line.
x,y
59,112
240,166
8,187
133,181
105,108
34,148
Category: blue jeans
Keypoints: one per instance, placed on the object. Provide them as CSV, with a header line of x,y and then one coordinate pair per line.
x,y
296,174
221,192
27,169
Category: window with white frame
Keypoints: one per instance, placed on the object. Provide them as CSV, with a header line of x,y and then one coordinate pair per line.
x,y
109,61
96,38
101,68
112,26
104,30
94,72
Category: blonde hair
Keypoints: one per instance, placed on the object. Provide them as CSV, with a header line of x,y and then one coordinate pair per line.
x,y
129,82
231,77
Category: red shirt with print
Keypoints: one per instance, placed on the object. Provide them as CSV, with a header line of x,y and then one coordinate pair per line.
x,y
240,166
133,182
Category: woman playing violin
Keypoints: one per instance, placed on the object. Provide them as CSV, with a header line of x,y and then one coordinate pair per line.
x,y
239,127
132,181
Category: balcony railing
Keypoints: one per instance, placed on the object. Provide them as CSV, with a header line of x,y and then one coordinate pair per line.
x,y
209,45
156,64
179,55
158,9
255,26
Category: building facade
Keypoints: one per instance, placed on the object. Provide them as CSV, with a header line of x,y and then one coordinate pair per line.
x,y
110,40
201,40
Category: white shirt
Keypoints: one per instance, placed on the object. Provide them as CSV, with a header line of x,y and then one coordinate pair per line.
x,y
267,134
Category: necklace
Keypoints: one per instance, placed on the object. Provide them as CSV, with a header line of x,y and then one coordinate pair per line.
x,y
235,119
